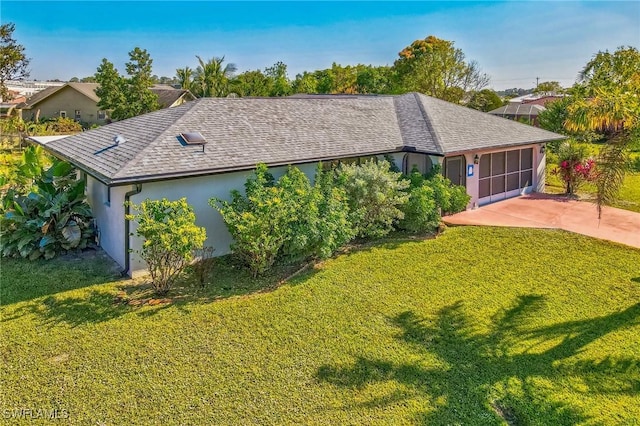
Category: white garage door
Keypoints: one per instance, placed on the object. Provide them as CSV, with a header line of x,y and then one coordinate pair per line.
x,y
505,174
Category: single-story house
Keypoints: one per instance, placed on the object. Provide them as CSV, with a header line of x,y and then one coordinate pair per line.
x,y
80,102
208,147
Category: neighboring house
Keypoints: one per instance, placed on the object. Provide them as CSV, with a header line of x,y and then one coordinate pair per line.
x,y
527,107
520,112
80,102
8,107
494,158
73,100
543,99
169,97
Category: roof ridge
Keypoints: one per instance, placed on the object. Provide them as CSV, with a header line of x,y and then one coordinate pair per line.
x,y
436,137
187,107
54,89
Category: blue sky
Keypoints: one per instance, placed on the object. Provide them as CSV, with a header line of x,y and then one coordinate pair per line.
x,y
513,42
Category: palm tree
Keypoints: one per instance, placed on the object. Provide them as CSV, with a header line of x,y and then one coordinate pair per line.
x,y
184,77
606,100
211,78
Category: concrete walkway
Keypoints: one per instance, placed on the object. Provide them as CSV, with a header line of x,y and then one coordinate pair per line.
x,y
552,211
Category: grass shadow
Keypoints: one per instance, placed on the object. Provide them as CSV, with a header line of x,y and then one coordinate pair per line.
x,y
392,241
23,280
476,364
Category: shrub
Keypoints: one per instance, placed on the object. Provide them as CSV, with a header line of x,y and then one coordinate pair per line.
x,y
574,168
449,198
376,195
421,212
258,221
53,217
287,220
300,227
333,227
170,237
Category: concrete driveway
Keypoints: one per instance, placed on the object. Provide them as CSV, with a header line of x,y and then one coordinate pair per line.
x,y
552,211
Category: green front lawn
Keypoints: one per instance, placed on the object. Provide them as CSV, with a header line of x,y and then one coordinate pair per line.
x,y
480,325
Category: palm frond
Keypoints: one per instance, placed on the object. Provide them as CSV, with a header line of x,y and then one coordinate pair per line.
x,y
611,168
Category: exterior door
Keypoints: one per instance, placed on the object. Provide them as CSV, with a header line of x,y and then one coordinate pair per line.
x,y
505,174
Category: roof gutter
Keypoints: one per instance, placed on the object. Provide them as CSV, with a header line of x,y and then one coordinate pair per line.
x,y
127,224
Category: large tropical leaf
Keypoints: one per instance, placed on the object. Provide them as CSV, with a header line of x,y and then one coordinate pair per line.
x,y
35,255
24,241
77,190
47,240
72,233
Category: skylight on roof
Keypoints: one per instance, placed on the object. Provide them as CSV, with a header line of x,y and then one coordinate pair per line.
x,y
193,138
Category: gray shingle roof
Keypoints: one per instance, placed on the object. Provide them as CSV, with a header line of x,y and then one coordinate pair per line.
x,y
242,132
461,129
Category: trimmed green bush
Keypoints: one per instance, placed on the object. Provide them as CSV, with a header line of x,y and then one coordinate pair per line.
x,y
376,196
170,238
421,212
258,221
449,198
333,226
286,221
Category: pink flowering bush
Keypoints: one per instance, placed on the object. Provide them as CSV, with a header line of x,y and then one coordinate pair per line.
x,y
574,168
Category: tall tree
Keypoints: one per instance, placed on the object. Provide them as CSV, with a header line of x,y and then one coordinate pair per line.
x,y
252,83
436,68
141,100
185,77
549,86
485,100
280,84
370,79
606,100
305,83
212,78
110,90
14,65
129,96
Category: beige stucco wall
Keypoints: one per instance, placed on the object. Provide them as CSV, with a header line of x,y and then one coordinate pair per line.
x,y
69,100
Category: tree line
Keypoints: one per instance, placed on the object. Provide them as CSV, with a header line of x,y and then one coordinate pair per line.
x,y
431,66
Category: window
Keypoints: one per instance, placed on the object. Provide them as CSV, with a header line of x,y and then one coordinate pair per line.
x,y
421,162
77,115
63,114
102,115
